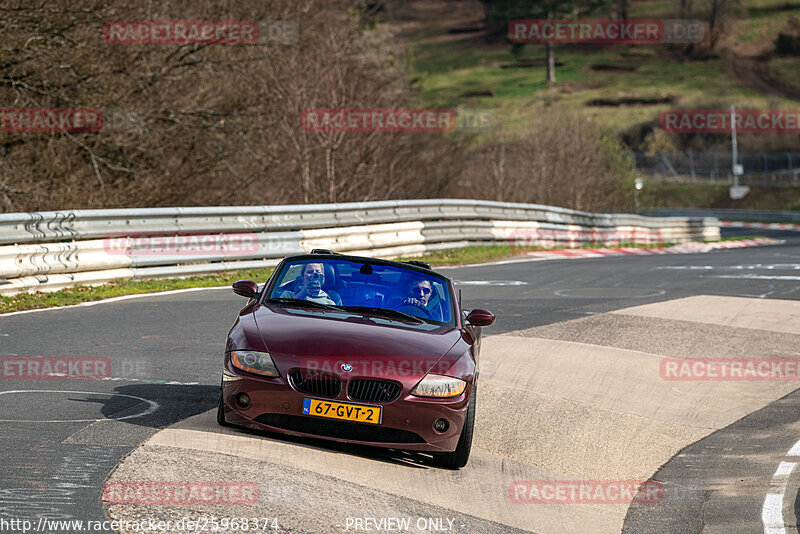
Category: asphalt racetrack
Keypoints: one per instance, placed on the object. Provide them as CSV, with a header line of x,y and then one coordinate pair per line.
x,y
572,389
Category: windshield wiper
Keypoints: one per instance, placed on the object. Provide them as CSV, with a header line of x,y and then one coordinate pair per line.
x,y
386,312
302,303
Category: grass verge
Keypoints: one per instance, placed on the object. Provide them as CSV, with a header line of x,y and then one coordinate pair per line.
x,y
483,254
738,238
118,288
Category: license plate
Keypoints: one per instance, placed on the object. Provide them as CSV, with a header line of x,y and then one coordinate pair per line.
x,y
342,410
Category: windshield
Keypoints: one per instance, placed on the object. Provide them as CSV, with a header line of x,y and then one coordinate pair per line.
x,y
387,290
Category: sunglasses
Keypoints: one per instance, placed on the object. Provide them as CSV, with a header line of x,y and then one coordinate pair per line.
x,y
424,290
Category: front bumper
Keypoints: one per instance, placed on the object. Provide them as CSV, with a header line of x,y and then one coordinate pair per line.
x,y
406,423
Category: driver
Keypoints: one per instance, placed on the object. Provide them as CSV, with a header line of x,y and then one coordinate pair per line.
x,y
310,287
420,293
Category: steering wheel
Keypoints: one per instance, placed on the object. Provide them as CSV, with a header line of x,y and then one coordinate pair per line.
x,y
411,309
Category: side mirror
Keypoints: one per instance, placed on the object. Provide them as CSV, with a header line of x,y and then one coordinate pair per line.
x,y
480,317
245,288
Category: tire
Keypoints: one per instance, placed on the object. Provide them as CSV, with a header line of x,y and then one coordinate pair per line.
x,y
221,412
459,457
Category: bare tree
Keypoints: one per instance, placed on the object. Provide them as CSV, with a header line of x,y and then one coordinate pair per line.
x,y
215,124
622,9
561,159
687,8
720,14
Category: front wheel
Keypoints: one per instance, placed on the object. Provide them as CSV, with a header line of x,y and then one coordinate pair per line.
x,y
221,412
459,457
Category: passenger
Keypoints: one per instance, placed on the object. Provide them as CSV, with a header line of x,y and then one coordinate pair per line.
x,y
310,287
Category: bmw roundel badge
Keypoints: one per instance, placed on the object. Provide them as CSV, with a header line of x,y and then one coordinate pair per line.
x,y
346,367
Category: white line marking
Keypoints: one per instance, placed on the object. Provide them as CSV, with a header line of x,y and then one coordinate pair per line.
x,y
795,450
685,267
490,283
772,514
115,299
772,510
754,277
150,381
784,470
588,295
126,379
754,267
153,406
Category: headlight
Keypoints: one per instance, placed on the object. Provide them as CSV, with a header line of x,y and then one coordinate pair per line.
x,y
252,361
439,386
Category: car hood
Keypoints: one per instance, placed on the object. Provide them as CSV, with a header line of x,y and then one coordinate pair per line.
x,y
294,337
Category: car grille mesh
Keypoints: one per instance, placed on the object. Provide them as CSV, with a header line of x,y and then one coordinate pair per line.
x,y
316,382
338,429
366,390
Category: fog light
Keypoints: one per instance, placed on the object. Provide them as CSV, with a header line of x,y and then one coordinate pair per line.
x,y
243,400
441,425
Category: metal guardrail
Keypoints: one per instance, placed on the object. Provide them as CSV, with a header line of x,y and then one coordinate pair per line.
x,y
52,250
728,214
89,224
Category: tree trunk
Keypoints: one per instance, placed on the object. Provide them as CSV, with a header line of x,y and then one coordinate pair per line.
x,y
330,172
499,171
306,181
718,18
622,9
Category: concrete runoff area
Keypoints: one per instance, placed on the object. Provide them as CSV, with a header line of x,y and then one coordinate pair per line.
x,y
580,400
761,314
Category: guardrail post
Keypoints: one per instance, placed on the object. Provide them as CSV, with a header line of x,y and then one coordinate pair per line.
x,y
715,172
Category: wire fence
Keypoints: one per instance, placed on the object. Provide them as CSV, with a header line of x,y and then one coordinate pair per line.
x,y
761,169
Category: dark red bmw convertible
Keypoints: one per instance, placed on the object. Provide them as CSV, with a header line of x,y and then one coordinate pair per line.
x,y
359,350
